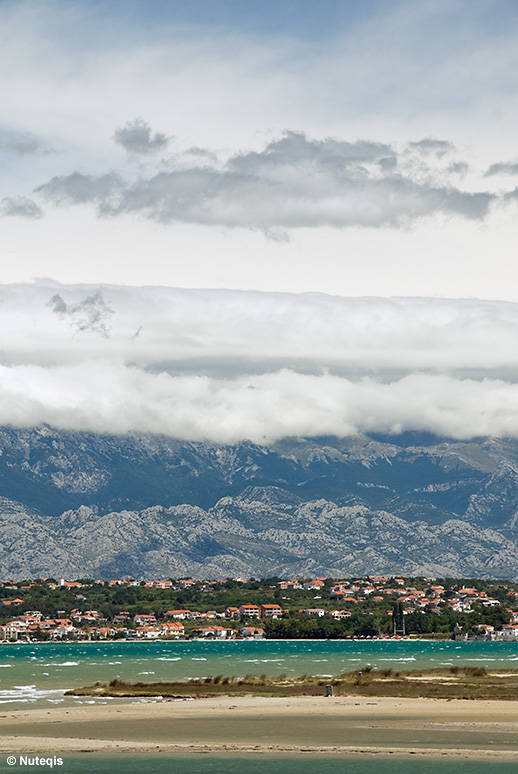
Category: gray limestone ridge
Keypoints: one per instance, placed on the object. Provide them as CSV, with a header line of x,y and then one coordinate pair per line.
x,y
81,504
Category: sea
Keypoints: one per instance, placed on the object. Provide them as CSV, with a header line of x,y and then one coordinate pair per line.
x,y
37,675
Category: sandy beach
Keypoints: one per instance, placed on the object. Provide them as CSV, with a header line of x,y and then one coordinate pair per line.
x,y
455,728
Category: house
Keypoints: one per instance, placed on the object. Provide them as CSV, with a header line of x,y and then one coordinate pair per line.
x,y
121,618
289,584
314,584
270,611
232,612
148,632
185,583
221,632
339,614
62,630
172,629
507,632
252,632
144,619
179,614
9,631
249,611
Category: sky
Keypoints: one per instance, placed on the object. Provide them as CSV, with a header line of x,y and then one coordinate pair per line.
x,y
250,220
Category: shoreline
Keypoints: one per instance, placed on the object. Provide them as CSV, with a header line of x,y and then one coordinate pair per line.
x,y
243,639
428,728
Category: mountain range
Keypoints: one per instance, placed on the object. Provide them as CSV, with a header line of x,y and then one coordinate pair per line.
x,y
80,504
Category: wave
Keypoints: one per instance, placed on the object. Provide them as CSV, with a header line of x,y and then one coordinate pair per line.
x,y
408,658
25,694
487,658
166,658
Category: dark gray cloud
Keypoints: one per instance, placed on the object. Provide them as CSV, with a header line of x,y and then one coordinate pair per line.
x,y
503,168
296,151
136,137
19,207
90,314
458,168
429,145
21,144
78,188
295,181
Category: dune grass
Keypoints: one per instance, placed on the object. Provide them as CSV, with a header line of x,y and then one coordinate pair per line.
x,y
446,683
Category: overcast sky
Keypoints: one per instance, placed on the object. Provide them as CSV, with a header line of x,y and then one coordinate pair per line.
x,y
339,178
358,148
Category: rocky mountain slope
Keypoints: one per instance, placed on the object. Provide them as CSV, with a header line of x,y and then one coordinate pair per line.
x,y
81,504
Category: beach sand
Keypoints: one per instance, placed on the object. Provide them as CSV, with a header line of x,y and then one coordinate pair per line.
x,y
420,727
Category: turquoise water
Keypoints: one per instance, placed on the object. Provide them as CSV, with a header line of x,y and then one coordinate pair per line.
x,y
38,674
265,764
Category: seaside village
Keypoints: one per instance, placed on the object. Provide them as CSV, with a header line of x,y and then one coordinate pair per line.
x,y
330,599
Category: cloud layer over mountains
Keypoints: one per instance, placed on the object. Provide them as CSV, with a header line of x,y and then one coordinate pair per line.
x,y
227,366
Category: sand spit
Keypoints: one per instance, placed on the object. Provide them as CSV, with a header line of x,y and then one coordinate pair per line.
x,y
341,725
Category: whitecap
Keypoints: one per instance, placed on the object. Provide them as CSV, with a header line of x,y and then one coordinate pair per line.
x,y
114,662
5,665
408,658
10,701
145,673
488,659
198,659
27,693
276,660
166,658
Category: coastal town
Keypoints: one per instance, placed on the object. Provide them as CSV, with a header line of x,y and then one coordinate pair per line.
x,y
370,607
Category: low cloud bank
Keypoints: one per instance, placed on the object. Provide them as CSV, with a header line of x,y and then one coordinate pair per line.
x,y
260,408
178,330
227,366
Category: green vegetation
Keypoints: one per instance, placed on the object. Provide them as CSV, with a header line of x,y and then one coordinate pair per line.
x,y
370,614
453,683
